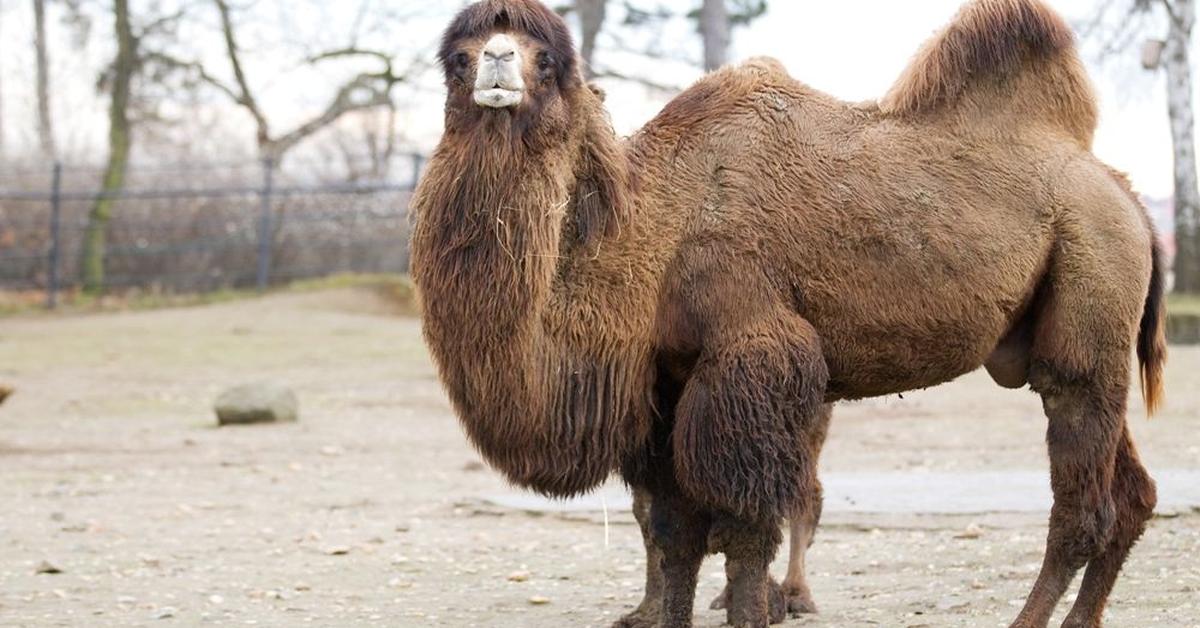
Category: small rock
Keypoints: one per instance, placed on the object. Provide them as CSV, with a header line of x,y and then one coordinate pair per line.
x,y
539,600
165,612
5,393
257,403
216,600
973,531
45,567
58,516
473,466
338,550
518,576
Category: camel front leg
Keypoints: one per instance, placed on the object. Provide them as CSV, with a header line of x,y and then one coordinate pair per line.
x,y
795,596
749,546
680,531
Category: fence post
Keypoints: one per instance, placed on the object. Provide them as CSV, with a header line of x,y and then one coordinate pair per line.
x,y
418,164
264,225
54,261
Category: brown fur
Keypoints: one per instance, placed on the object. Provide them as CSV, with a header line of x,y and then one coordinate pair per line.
x,y
988,49
781,249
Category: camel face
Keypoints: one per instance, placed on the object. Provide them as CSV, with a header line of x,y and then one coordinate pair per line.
x,y
511,61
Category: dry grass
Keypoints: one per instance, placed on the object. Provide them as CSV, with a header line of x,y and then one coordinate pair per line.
x,y
1187,304
397,289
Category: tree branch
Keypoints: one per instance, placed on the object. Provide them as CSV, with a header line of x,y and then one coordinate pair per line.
x,y
645,82
195,67
246,98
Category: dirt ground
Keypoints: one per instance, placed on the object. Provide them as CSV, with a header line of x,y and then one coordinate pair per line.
x,y
372,510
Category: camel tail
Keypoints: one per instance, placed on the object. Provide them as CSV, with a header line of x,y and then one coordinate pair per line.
x,y
1152,337
1018,53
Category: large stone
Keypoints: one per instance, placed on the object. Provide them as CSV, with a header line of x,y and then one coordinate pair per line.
x,y
257,403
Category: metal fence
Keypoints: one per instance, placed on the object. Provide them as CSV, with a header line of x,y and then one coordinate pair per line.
x,y
194,228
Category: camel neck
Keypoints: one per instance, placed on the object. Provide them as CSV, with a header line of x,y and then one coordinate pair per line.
x,y
544,393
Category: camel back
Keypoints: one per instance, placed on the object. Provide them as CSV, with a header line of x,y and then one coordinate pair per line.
x,y
1018,54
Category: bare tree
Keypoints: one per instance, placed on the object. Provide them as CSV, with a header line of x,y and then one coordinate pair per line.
x,y
715,21
366,90
45,125
120,140
1178,67
1170,52
591,21
2,138
715,31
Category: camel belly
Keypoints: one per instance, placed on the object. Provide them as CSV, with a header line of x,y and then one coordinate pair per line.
x,y
908,333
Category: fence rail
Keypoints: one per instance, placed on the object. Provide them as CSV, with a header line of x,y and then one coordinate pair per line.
x,y
173,237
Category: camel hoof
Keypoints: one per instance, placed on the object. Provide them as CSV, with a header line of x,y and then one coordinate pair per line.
x,y
777,603
799,600
802,606
643,617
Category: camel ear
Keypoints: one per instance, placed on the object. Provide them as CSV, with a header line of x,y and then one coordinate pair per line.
x,y
597,90
603,194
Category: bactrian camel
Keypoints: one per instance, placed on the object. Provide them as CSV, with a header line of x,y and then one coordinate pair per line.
x,y
680,307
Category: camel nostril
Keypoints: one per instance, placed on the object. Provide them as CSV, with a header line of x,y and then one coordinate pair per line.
x,y
506,57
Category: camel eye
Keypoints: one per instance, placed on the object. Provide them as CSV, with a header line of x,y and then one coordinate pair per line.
x,y
461,60
545,61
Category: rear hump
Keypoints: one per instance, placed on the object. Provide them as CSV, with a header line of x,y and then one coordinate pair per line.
x,y
996,41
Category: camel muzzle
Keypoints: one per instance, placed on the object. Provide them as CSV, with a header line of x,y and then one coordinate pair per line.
x,y
498,81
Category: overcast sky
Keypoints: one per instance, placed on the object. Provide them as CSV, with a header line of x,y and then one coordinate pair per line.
x,y
855,50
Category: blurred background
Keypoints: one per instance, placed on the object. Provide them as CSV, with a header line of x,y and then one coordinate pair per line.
x,y
184,147
204,222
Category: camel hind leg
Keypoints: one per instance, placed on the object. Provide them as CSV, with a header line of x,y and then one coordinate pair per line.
x,y
796,592
1080,365
648,612
1134,497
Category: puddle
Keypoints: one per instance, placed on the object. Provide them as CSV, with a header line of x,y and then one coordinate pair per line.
x,y
900,493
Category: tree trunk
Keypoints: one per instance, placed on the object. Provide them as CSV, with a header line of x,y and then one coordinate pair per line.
x,y
45,127
591,21
715,30
2,138
119,139
1179,103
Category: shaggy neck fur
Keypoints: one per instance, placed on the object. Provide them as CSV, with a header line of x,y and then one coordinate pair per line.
x,y
543,393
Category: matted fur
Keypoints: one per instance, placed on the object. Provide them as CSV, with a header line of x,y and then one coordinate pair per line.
x,y
508,197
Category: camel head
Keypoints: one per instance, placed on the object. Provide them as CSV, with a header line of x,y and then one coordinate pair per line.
x,y
512,61
515,94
